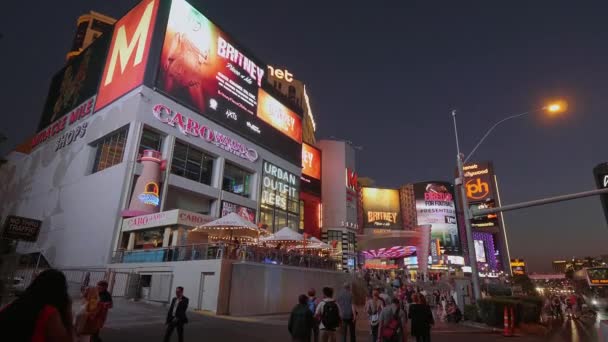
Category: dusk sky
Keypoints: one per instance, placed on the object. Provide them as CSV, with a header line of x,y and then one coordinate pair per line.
x,y
386,75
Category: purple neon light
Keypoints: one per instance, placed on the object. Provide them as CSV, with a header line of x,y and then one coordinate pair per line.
x,y
488,240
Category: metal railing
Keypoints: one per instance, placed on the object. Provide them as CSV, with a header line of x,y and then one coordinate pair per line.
x,y
213,251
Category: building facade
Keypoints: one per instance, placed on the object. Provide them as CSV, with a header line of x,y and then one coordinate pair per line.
x,y
89,27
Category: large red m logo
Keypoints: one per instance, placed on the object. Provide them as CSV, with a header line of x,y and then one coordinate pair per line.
x,y
128,55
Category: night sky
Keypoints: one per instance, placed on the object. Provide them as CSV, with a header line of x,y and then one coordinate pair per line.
x,y
386,78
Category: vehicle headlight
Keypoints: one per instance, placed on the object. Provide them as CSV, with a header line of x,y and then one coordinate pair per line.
x,y
594,302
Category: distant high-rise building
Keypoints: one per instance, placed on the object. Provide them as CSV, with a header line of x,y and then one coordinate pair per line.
x,y
559,266
88,28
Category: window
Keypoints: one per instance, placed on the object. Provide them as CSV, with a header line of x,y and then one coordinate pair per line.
x,y
236,180
191,163
109,150
150,140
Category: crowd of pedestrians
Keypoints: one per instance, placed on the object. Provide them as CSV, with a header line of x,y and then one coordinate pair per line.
x,y
564,306
44,312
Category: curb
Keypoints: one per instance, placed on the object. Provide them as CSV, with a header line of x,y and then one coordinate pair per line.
x,y
480,326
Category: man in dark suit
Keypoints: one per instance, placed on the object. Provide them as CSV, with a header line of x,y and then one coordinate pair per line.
x,y
176,317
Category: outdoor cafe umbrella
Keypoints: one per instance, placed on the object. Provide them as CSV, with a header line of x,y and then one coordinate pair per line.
x,y
285,235
229,226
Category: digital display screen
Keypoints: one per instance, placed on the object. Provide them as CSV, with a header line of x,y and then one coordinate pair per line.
x,y
311,170
480,251
435,206
381,208
244,212
205,69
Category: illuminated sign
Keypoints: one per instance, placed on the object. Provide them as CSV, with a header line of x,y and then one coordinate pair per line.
x,y
244,212
81,112
381,208
205,69
191,127
279,116
128,54
164,219
281,74
478,181
480,251
311,161
351,180
435,207
278,185
518,267
150,195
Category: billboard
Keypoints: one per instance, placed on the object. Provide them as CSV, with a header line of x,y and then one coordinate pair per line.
x,y
279,116
381,208
75,83
244,212
21,228
435,206
311,170
128,54
479,181
480,251
205,69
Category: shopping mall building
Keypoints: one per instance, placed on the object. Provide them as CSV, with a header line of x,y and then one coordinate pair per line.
x,y
162,125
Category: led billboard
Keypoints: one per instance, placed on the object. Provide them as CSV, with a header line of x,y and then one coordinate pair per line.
x,y
205,69
75,83
381,208
311,170
435,206
244,212
479,181
480,251
128,55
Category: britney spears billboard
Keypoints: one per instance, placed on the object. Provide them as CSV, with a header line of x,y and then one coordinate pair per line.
x,y
201,66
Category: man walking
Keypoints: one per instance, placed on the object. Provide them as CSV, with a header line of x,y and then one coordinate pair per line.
x,y
328,312
313,302
176,317
105,299
301,321
349,313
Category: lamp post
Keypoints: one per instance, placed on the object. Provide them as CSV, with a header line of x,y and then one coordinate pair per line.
x,y
460,181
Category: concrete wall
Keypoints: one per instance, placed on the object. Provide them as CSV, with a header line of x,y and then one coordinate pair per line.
x,y
78,209
188,275
259,289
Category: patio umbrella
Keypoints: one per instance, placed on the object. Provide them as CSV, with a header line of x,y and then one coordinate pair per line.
x,y
229,226
285,235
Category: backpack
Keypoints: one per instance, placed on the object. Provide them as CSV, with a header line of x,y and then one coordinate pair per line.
x,y
393,327
312,305
330,316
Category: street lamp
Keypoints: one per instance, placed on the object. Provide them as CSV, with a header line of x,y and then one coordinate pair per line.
x,y
556,107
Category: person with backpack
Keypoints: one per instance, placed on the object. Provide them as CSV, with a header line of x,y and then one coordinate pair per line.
x,y
374,307
313,302
328,312
393,320
301,321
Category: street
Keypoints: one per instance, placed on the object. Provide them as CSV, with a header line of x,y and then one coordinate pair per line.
x,y
133,322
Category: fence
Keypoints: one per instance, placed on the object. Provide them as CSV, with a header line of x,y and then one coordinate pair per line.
x,y
207,251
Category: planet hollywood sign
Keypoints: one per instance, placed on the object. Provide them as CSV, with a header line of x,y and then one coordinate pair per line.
x,y
190,127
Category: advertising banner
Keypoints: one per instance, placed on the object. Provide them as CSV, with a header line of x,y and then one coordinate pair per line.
x,y
311,170
479,181
480,251
279,116
206,70
75,83
21,228
244,212
435,206
128,54
381,208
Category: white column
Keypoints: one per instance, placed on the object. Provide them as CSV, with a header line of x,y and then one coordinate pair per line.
x,y
131,243
166,237
174,241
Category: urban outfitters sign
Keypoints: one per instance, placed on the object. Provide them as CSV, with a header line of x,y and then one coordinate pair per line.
x,y
279,185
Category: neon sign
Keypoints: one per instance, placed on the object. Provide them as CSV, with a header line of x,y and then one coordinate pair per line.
x,y
150,195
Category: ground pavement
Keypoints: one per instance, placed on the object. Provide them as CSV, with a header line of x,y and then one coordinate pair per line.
x,y
135,322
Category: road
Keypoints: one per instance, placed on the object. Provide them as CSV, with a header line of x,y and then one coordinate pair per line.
x,y
134,322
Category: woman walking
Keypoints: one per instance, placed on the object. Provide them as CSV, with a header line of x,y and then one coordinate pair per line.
x,y
422,319
43,313
88,318
374,307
